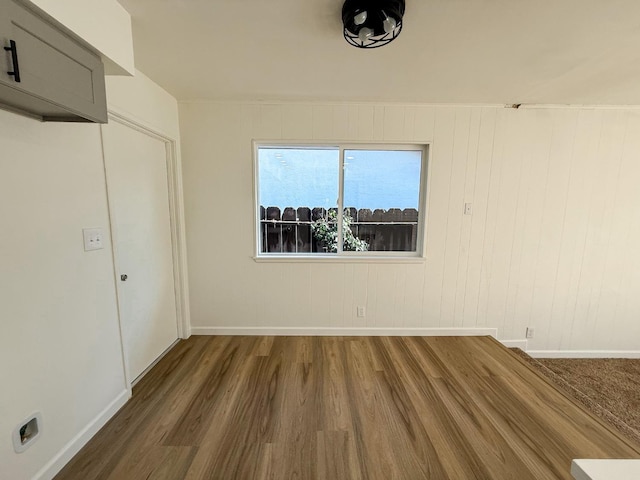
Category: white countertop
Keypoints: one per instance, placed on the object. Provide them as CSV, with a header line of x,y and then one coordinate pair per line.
x,y
591,469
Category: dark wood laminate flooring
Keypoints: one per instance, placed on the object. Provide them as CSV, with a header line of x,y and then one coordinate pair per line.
x,y
344,408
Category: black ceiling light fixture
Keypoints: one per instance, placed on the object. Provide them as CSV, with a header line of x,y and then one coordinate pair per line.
x,y
372,23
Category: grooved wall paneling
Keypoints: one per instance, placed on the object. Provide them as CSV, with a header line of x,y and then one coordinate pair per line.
x,y
552,242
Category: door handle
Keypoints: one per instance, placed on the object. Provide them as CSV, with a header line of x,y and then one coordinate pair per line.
x,y
124,277
14,57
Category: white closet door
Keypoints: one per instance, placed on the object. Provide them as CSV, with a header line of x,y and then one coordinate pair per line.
x,y
136,167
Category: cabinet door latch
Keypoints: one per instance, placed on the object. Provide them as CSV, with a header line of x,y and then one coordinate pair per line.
x,y
14,57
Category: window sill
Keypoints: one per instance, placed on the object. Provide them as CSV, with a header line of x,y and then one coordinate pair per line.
x,y
335,259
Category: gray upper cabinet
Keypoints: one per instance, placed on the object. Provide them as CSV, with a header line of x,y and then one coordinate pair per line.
x,y
59,78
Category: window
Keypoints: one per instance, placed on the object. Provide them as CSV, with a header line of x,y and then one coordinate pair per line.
x,y
343,200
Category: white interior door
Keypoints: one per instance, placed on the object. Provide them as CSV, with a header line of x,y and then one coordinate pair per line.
x,y
136,168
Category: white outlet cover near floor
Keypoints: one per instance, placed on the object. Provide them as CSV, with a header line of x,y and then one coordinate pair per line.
x,y
20,447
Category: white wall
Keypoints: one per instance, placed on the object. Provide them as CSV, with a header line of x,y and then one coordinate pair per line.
x,y
60,350
552,242
103,24
140,99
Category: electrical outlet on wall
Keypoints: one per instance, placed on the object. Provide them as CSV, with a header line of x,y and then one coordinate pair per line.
x,y
27,432
361,311
530,332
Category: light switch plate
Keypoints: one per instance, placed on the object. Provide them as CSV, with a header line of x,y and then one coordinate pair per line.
x,y
92,239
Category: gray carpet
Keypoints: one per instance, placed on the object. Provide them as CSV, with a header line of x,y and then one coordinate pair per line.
x,y
608,387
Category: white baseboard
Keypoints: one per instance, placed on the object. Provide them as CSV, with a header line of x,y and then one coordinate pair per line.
x,y
346,332
584,353
136,380
80,440
521,344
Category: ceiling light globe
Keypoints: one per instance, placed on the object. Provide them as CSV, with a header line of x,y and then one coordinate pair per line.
x,y
364,34
389,24
360,18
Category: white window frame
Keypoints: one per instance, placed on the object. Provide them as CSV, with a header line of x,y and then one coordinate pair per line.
x,y
418,255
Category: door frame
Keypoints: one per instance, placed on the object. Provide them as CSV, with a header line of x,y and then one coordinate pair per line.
x,y
177,226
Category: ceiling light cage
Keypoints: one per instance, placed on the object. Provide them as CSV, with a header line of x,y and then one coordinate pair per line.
x,y
372,23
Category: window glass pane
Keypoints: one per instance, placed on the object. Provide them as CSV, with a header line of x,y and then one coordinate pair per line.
x,y
382,198
297,187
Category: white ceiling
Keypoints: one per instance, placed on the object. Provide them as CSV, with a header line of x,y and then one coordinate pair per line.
x,y
450,51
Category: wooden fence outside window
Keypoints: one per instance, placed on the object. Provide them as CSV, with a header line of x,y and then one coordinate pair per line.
x,y
289,230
